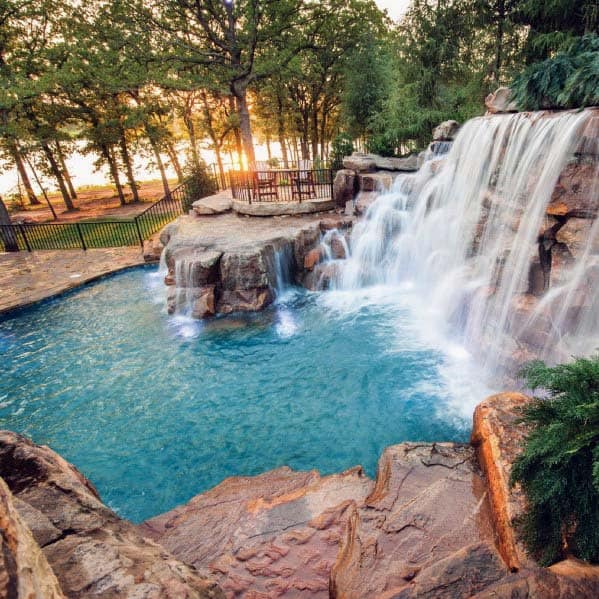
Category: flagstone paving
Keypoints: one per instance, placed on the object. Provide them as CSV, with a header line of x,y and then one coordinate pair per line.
x,y
26,278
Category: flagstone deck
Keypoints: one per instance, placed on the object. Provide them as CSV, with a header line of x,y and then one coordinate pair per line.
x,y
26,278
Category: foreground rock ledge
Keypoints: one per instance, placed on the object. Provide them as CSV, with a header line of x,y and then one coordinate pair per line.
x,y
92,551
433,524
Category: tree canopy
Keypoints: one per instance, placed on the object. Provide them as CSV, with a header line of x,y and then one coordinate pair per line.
x,y
119,78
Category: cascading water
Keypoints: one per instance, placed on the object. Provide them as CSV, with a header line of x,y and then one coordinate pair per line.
x,y
461,239
283,270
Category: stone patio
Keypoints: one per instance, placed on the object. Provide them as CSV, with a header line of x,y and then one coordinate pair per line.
x,y
26,278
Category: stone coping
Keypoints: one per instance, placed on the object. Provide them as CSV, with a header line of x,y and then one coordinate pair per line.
x,y
27,279
283,208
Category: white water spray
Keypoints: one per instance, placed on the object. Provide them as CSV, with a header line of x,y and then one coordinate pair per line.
x,y
460,241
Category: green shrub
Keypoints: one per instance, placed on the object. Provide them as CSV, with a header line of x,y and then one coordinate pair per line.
x,y
559,466
568,80
342,146
382,145
199,183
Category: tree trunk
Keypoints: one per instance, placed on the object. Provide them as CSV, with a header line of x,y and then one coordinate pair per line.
x,y
304,138
236,133
165,186
245,125
221,170
172,154
7,233
39,184
191,132
16,155
114,171
499,41
65,171
281,131
128,165
324,153
314,133
58,176
267,141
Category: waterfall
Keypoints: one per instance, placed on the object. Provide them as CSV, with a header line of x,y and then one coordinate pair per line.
x,y
284,269
461,238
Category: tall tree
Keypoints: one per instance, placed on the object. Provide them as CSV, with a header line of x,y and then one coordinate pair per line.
x,y
234,43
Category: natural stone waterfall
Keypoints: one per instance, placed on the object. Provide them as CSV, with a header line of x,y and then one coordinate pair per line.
x,y
498,241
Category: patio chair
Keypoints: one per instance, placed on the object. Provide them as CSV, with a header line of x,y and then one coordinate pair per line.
x,y
265,182
302,181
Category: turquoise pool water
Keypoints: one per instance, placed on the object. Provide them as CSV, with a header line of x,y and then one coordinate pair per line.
x,y
155,409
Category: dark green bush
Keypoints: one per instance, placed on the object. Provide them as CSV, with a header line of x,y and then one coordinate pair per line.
x,y
342,146
568,80
199,183
382,145
559,466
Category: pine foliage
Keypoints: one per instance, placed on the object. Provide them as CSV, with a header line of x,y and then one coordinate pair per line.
x,y
568,80
559,466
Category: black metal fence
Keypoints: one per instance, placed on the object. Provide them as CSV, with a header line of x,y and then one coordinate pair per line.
x,y
102,233
282,185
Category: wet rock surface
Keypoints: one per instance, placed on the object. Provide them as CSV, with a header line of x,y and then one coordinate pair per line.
x,y
226,263
446,131
92,551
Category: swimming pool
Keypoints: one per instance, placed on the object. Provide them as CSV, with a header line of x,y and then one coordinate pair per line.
x,y
155,409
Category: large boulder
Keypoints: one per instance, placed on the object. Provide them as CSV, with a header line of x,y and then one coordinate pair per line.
x,y
406,164
498,436
500,101
24,570
92,551
360,162
446,131
344,187
215,204
380,181
250,269
370,163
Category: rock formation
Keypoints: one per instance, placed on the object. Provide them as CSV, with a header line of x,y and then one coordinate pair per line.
x,y
435,524
272,535
24,571
500,101
92,551
224,264
446,131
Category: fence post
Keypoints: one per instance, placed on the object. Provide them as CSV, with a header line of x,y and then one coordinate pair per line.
x,y
22,229
141,239
249,188
81,237
331,183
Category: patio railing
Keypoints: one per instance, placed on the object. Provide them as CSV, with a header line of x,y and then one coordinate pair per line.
x,y
282,185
